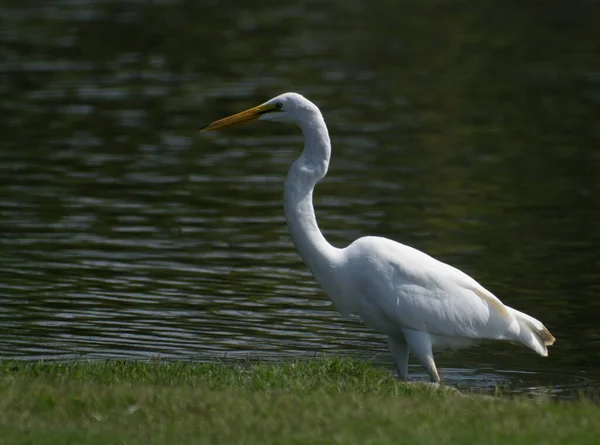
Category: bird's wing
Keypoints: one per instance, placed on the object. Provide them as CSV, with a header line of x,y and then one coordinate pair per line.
x,y
407,288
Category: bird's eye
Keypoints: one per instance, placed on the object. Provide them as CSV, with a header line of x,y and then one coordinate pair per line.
x,y
278,105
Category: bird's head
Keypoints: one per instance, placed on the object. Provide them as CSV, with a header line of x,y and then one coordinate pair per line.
x,y
287,107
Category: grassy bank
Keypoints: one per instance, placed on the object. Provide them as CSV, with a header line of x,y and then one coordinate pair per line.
x,y
319,401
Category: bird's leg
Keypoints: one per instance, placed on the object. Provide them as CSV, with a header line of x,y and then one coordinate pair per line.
x,y
399,351
419,343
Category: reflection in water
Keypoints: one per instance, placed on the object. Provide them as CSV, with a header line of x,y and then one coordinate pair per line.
x,y
470,134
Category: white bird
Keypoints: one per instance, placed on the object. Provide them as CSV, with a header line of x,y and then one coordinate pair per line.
x,y
420,303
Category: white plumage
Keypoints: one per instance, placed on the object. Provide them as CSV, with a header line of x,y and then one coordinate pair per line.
x,y
419,302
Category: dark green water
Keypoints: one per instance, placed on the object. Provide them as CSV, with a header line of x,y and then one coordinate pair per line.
x,y
469,130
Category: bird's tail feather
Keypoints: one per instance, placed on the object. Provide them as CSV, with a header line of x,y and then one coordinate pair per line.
x,y
533,333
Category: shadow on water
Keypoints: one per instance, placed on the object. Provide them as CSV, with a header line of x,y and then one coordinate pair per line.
x,y
469,131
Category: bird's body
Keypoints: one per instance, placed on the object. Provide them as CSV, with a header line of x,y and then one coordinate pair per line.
x,y
419,302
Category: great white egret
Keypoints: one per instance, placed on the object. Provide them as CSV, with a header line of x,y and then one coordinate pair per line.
x,y
420,303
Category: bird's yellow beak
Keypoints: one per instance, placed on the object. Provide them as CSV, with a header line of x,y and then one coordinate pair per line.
x,y
244,116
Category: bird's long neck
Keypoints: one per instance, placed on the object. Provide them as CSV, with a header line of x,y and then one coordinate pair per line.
x,y
309,168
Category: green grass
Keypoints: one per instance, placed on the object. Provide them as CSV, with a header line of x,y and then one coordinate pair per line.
x,y
318,401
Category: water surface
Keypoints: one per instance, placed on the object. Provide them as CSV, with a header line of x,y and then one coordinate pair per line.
x,y
467,131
